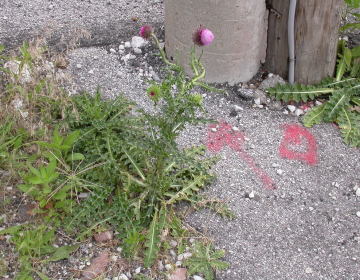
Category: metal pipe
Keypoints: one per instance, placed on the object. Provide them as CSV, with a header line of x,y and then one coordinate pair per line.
x,y
291,41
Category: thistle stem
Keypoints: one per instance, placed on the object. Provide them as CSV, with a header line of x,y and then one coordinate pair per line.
x,y
162,52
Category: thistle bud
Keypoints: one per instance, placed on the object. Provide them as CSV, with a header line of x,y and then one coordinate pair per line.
x,y
146,31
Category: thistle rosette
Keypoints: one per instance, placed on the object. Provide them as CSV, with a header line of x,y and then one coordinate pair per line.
x,y
146,31
154,93
202,36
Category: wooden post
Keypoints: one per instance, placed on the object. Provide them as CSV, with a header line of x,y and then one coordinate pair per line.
x,y
317,24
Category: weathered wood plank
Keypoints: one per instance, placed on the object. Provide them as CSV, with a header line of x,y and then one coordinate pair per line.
x,y
317,26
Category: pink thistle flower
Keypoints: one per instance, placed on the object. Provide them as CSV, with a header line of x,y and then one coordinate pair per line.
x,y
202,36
146,31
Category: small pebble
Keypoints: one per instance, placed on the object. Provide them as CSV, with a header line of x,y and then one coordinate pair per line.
x,y
121,47
137,51
173,243
308,270
138,270
279,171
235,128
358,192
213,129
291,108
178,264
78,66
112,50
91,71
275,165
172,253
127,45
196,277
96,57
251,195
246,139
169,267
358,214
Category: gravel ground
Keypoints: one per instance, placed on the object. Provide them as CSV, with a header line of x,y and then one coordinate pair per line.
x,y
297,216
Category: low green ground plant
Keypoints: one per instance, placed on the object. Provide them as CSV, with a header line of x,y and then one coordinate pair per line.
x,y
125,160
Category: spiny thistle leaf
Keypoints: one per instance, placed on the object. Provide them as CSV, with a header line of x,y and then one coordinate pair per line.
x,y
335,104
341,67
349,124
314,116
355,68
204,260
296,92
186,190
151,243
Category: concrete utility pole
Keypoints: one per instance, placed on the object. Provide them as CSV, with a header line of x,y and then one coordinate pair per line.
x,y
317,24
239,27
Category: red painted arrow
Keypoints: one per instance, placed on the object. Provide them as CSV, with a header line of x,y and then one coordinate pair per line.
x,y
223,135
296,137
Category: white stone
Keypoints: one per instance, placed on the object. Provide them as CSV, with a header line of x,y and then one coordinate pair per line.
x,y
137,51
121,47
279,171
9,188
83,195
318,103
127,45
191,240
96,57
154,76
358,214
213,129
119,249
112,50
169,267
311,208
114,258
173,243
196,277
246,139
91,71
275,165
308,270
119,74
187,255
172,253
358,192
137,42
299,112
90,245
178,263
286,112
123,277
78,66
238,108
291,108
257,101
251,195
138,270
235,128
180,257
270,75
160,266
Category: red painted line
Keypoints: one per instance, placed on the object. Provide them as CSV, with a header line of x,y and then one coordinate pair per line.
x,y
297,136
226,136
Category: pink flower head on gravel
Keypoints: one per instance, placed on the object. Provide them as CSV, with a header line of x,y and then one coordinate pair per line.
x,y
146,31
202,36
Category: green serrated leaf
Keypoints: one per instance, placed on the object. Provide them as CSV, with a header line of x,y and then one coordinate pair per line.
x,y
341,67
151,243
62,253
349,124
70,140
11,230
75,156
134,164
314,116
50,168
42,275
335,104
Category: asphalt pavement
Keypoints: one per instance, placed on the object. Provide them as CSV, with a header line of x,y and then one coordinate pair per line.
x,y
292,189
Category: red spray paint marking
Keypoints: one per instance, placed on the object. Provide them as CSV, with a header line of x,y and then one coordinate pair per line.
x,y
226,136
295,136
